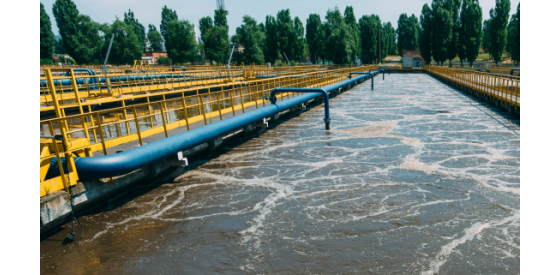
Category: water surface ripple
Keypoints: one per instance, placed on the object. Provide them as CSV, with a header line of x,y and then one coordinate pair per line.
x,y
414,178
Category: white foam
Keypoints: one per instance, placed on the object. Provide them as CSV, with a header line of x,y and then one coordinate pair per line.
x,y
469,234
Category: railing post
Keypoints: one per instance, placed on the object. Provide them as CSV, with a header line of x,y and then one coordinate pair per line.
x,y
126,119
163,114
263,94
138,131
241,97
219,106
185,113
65,183
231,102
100,128
201,107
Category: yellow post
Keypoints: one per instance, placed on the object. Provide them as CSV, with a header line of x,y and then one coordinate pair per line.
x,y
219,105
60,168
241,97
163,114
201,106
137,125
100,128
185,113
231,103
50,84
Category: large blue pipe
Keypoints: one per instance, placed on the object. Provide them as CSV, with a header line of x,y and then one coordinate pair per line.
x,y
81,81
125,162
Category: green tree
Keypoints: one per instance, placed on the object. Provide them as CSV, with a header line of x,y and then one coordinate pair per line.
x,y
286,34
388,39
250,36
322,50
414,31
425,42
471,28
392,39
47,37
138,28
350,20
58,48
299,42
453,7
402,32
313,36
80,35
514,36
66,16
126,47
368,38
407,33
215,37
162,60
155,39
486,41
338,48
499,16
182,43
271,39
442,31
167,15
461,49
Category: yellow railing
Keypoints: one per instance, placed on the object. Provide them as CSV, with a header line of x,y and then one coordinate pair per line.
x,y
50,149
87,133
92,91
166,68
498,86
122,84
92,88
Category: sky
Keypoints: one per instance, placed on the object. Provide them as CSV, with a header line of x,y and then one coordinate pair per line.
x,y
149,12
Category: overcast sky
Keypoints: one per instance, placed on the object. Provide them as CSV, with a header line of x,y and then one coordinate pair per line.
x,y
149,12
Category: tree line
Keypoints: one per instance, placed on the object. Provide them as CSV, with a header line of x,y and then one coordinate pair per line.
x,y
454,28
339,38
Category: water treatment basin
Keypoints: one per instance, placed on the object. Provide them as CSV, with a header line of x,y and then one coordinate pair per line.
x,y
413,178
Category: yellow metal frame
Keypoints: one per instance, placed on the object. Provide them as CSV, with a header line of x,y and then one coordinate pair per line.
x,y
93,131
496,86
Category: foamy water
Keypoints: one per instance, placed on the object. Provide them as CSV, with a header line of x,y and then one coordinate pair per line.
x,y
413,178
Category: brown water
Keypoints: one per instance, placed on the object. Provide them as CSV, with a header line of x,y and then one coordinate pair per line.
x,y
414,178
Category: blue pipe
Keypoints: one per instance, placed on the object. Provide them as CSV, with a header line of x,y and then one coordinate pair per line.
x,y
350,77
382,70
91,72
89,168
43,83
306,90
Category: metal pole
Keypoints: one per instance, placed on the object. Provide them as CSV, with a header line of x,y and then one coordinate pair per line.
x,y
289,64
105,63
229,62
